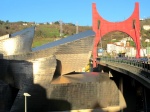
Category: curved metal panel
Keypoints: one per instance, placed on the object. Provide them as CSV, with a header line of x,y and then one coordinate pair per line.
x,y
4,37
37,71
5,97
43,70
73,53
80,92
19,42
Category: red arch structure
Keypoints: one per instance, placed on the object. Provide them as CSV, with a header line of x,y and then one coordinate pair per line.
x,y
130,26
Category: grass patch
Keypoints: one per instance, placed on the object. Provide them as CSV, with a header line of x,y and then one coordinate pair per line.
x,y
41,41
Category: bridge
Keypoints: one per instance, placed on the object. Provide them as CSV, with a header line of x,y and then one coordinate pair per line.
x,y
131,75
130,26
136,70
139,70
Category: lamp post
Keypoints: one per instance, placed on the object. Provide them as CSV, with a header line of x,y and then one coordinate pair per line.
x,y
26,94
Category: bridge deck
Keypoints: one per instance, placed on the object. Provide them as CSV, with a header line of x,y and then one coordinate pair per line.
x,y
136,70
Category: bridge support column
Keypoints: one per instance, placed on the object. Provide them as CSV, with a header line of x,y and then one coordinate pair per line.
x,y
145,99
121,87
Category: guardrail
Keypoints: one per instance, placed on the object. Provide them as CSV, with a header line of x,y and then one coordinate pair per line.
x,y
132,62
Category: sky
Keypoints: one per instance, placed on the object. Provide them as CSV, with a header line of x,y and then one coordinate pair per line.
x,y
69,11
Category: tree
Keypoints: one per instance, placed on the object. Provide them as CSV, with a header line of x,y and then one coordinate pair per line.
x,y
56,22
7,21
1,22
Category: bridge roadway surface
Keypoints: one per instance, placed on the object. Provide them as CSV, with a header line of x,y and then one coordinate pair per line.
x,y
139,70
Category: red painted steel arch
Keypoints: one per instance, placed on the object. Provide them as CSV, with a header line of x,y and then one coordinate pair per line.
x,y
130,26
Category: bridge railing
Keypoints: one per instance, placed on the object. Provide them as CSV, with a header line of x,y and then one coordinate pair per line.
x,y
132,62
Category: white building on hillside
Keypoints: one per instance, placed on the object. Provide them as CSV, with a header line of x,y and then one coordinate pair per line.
x,y
115,48
146,27
128,50
110,47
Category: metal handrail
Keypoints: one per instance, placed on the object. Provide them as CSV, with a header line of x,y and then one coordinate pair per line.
x,y
132,62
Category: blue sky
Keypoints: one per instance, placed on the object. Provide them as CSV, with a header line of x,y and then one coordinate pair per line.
x,y
69,11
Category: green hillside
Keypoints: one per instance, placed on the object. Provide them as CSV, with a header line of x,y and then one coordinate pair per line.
x,y
46,32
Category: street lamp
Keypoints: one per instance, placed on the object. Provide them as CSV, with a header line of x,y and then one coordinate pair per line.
x,y
26,94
